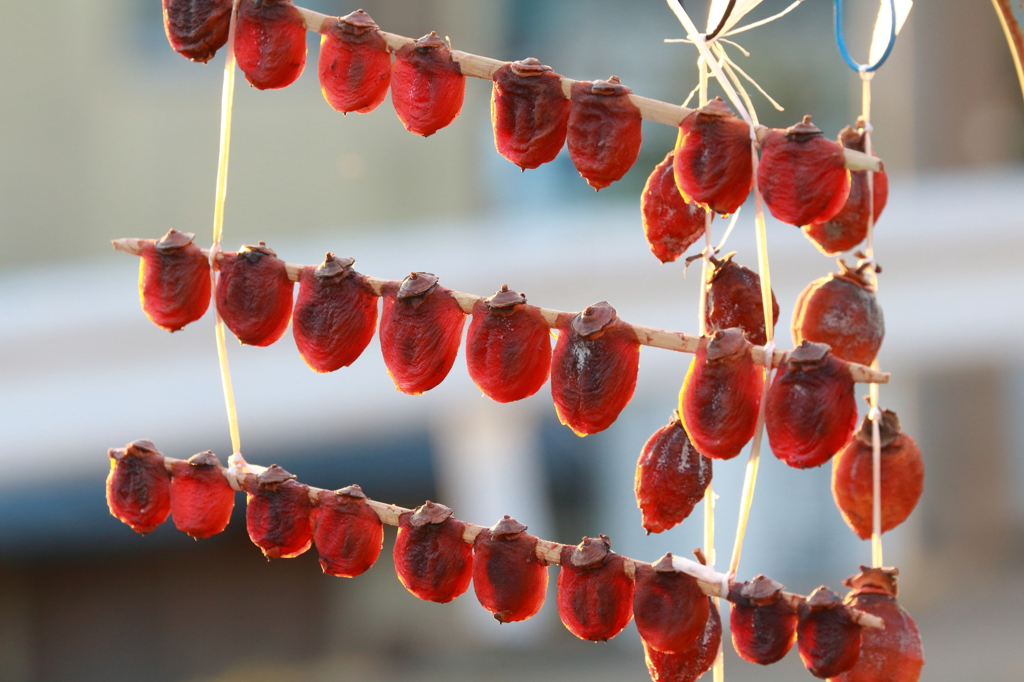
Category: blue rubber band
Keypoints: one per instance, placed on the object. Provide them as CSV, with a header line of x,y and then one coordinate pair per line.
x,y
841,42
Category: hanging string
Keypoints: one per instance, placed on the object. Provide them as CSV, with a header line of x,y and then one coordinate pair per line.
x,y
841,41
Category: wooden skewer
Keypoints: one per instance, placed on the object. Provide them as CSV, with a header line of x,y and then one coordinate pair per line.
x,y
647,336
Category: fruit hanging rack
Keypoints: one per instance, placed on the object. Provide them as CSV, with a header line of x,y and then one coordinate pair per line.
x,y
739,385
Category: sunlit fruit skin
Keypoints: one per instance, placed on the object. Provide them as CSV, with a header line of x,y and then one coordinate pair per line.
x,y
849,227
892,654
138,486
713,163
811,410
432,559
254,295
427,85
354,64
347,532
721,395
201,497
508,347
270,43
902,476
671,477
593,369
196,29
595,596
278,513
335,314
802,176
669,608
828,639
671,224
604,133
174,280
691,664
529,113
763,625
734,300
420,332
841,310
508,578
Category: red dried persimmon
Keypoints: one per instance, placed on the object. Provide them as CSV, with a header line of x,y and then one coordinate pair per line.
x,y
138,486
348,532
196,29
593,369
509,579
427,85
671,224
174,280
254,295
670,610
432,559
671,477
691,664
802,176
201,497
354,65
278,513
902,476
270,42
335,314
604,133
529,113
595,596
828,639
713,163
420,332
763,624
508,347
734,300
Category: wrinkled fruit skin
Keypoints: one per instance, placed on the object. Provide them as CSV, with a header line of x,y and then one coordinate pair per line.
x,y
671,477
196,29
689,665
279,518
529,113
890,655
902,480
721,395
828,640
427,86
842,311
734,300
762,634
811,410
420,337
508,352
604,133
849,227
508,578
593,377
348,533
254,296
671,225
201,498
713,163
138,486
669,608
354,65
270,43
433,561
334,319
594,603
802,177
174,281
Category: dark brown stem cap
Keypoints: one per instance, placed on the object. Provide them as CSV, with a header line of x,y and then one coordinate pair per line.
x,y
504,299
592,552
417,284
507,529
430,512
594,319
174,240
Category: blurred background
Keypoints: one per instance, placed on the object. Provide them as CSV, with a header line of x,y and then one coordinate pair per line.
x,y
108,133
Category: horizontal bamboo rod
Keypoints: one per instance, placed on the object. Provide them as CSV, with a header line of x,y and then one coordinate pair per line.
x,y
647,336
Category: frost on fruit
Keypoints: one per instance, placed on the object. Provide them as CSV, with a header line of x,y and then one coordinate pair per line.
x,y
427,85
713,163
827,637
196,29
420,332
278,513
529,113
201,497
348,533
174,280
692,663
595,596
669,608
270,42
734,300
354,64
335,314
508,578
138,486
604,131
671,224
763,624
432,559
671,477
593,369
254,295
